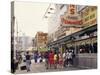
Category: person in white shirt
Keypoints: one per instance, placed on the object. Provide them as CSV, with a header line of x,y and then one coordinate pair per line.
x,y
65,58
69,57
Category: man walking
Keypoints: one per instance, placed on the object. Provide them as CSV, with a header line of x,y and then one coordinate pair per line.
x,y
28,61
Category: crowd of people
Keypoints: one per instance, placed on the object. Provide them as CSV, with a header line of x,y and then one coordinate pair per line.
x,y
59,60
52,59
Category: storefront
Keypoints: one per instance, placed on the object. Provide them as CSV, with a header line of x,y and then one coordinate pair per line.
x,y
85,48
84,44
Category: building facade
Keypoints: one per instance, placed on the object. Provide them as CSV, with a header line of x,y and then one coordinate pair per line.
x,y
41,41
64,22
77,30
89,15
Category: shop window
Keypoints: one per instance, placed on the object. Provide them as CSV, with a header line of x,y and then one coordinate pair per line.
x,y
83,49
87,48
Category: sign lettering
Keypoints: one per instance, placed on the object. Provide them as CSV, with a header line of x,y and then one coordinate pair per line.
x,y
75,22
72,9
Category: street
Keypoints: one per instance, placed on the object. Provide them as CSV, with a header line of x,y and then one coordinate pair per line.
x,y
40,67
65,36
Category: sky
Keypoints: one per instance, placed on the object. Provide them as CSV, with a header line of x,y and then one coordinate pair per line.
x,y
29,17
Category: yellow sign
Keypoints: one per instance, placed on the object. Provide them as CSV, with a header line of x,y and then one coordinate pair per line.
x,y
72,9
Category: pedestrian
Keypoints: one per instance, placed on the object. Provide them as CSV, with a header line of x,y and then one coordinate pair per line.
x,y
46,56
35,57
65,58
55,60
73,57
40,57
51,59
60,61
20,58
28,61
69,58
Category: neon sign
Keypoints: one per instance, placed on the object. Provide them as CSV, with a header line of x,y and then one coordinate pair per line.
x,y
72,17
72,9
75,22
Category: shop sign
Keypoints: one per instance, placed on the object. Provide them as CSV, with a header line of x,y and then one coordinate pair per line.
x,y
72,9
71,17
74,22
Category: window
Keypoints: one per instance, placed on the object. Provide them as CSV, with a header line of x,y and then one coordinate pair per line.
x,y
87,18
82,14
93,8
84,48
86,11
87,48
92,16
44,37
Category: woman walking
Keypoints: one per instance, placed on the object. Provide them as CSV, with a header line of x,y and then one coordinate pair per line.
x,y
60,61
51,59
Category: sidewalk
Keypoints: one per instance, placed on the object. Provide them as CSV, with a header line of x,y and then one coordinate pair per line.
x,y
40,67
